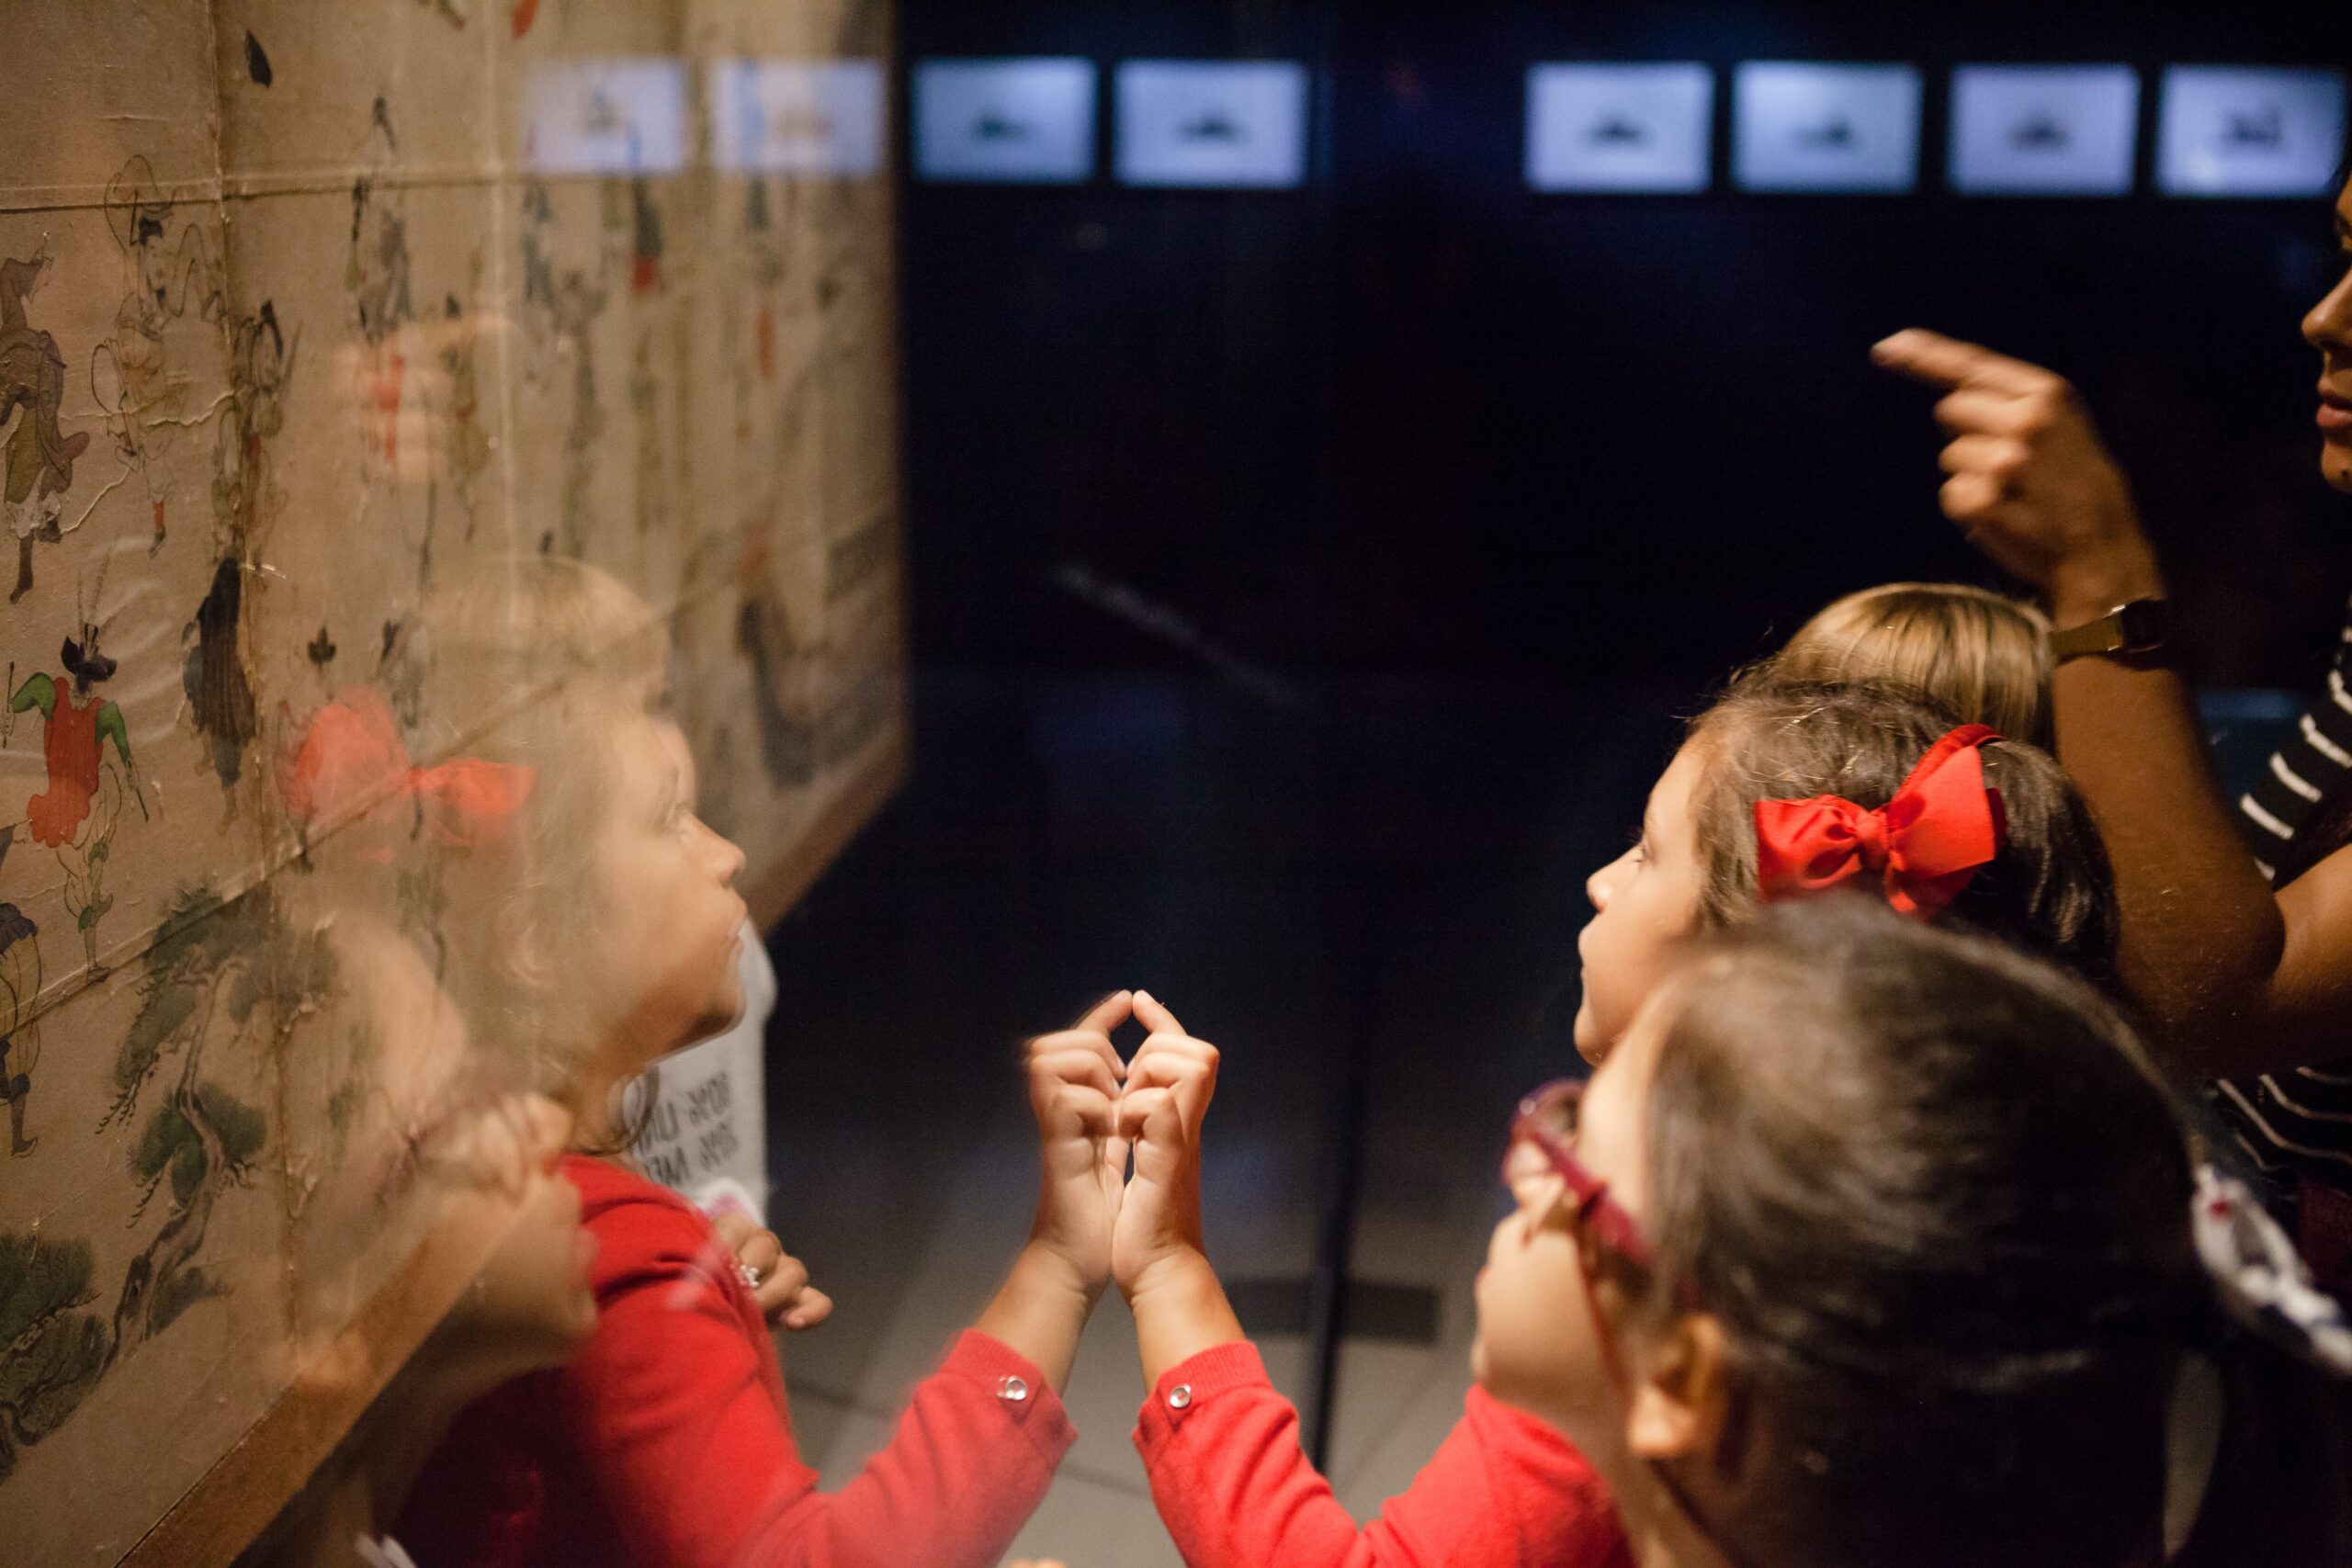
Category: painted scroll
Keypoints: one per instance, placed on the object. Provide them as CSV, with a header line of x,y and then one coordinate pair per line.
x,y
306,313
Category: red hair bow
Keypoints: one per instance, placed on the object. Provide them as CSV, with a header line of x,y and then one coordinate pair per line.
x,y
1943,827
350,757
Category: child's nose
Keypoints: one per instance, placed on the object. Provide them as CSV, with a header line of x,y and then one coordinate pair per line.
x,y
730,857
1596,887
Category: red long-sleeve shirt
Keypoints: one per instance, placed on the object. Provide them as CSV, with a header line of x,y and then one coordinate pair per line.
x,y
667,1443
1236,1491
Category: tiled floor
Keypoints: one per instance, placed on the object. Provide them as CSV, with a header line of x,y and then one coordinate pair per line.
x,y
1393,871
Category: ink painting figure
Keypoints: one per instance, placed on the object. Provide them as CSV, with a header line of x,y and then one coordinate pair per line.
x,y
130,372
77,815
39,455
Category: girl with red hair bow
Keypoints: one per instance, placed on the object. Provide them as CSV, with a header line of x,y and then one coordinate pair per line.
x,y
1785,789
1782,790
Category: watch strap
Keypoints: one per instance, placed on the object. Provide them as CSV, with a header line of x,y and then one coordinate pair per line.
x,y
2139,628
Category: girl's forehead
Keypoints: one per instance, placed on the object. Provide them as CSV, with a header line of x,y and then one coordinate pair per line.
x,y
1671,795
648,756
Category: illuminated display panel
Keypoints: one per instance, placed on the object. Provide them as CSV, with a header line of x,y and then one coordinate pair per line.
x,y
1211,124
1646,129
2235,131
799,117
2044,129
1018,121
605,117
1805,126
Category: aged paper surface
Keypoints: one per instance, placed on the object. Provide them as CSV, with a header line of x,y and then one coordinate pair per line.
x,y
306,313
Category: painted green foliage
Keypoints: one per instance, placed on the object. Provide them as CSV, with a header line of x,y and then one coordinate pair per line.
x,y
51,1352
172,1142
223,973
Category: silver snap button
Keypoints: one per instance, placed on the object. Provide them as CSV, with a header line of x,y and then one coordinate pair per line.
x,y
1181,1396
1012,1390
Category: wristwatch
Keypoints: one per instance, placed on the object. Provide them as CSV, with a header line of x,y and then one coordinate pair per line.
x,y
2132,630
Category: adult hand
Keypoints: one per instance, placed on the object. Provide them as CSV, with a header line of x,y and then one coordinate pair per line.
x,y
780,1281
1170,1085
1074,1082
2030,483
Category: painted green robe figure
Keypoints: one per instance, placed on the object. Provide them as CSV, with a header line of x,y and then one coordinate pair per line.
x,y
77,815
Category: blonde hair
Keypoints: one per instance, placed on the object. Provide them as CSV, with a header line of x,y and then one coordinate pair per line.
x,y
1982,655
534,665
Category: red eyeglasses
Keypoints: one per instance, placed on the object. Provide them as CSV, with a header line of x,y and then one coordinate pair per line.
x,y
1548,1119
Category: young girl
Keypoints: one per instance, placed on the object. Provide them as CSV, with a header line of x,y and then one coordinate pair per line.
x,y
1984,656
1796,1274
1781,790
606,935
1989,834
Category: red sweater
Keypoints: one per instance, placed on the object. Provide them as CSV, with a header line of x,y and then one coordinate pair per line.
x,y
1504,1489
667,1443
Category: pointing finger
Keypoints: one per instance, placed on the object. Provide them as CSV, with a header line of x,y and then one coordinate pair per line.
x,y
1942,361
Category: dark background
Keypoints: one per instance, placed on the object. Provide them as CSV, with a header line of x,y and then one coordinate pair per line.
x,y
1418,417
1422,506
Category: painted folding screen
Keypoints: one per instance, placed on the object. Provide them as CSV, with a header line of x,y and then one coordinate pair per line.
x,y
310,315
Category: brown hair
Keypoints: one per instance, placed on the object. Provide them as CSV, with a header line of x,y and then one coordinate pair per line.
x,y
1938,1199
1982,655
2049,890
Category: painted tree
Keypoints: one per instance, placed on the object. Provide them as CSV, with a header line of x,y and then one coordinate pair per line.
x,y
51,1351
222,974
223,977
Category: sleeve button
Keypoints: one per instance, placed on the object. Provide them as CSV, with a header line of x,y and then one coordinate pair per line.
x,y
1011,1390
1181,1396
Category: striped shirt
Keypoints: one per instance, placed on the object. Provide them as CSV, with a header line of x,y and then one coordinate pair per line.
x,y
2297,1124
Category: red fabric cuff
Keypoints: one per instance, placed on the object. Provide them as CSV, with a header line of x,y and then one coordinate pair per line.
x,y
1185,1387
1011,1380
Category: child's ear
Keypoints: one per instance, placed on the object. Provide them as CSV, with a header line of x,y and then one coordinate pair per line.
x,y
1682,1395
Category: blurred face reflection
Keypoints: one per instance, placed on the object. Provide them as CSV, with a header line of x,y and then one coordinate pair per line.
x,y
669,912
2329,328
444,1156
1645,901
530,1305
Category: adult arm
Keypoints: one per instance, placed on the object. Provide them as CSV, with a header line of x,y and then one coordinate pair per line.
x,y
2235,979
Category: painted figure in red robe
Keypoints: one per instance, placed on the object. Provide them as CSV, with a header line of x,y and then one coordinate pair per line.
x,y
77,815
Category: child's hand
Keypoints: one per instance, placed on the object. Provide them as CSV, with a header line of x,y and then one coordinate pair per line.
x,y
779,1282
1074,1088
1169,1087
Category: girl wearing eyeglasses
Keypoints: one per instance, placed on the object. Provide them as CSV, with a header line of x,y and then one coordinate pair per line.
x,y
1781,790
1871,1245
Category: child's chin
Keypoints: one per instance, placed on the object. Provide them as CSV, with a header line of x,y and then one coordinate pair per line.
x,y
1589,1044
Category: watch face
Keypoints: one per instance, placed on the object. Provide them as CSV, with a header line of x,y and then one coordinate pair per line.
x,y
2143,625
